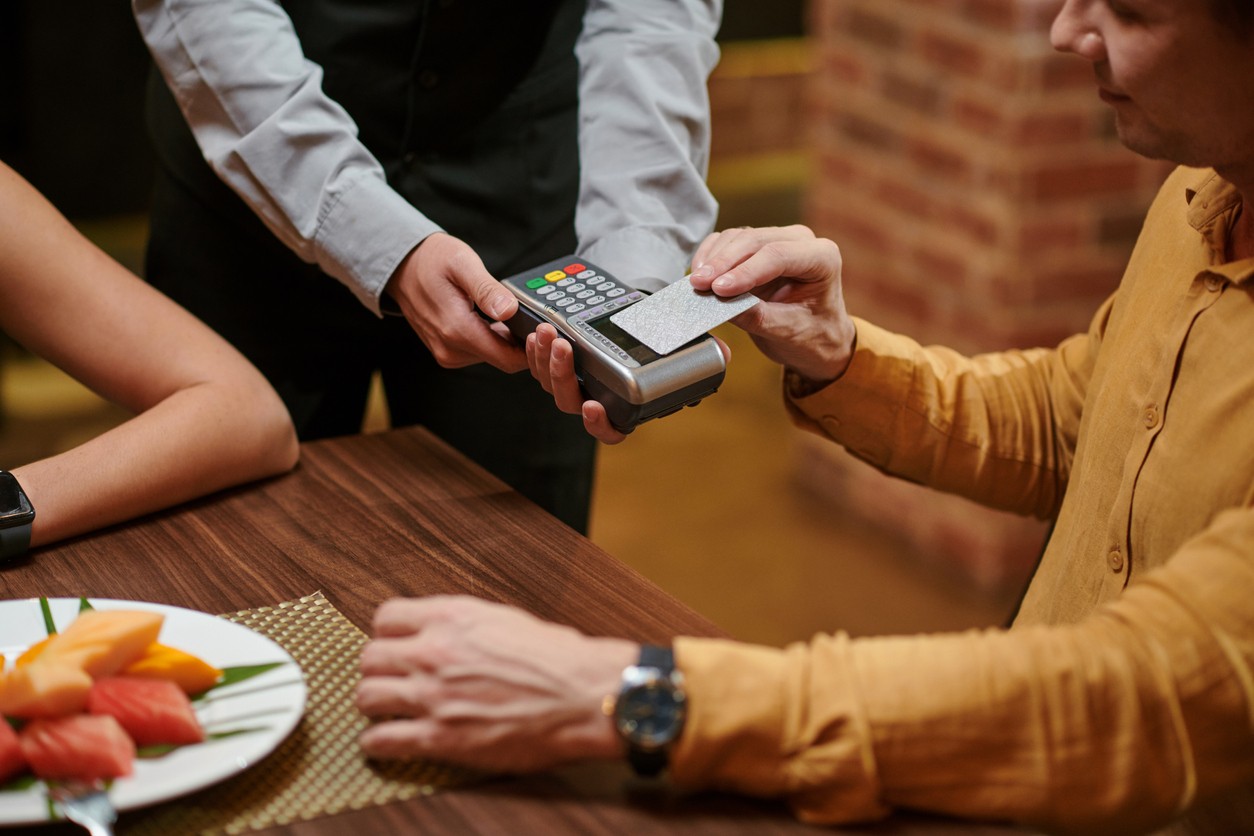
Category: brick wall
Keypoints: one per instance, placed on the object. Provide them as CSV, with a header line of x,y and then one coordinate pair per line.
x,y
981,200
759,151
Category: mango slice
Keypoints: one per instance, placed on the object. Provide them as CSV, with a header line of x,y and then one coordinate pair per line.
x,y
192,674
33,652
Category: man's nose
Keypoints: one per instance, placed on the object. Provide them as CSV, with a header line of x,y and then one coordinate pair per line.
x,y
1074,31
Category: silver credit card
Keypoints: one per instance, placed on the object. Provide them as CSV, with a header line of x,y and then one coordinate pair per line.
x,y
678,314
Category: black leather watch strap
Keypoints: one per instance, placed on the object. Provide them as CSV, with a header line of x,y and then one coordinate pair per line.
x,y
647,764
657,656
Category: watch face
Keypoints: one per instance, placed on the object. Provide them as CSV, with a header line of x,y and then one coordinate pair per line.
x,y
15,508
651,715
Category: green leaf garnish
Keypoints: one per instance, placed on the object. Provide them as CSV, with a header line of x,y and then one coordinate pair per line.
x,y
84,605
242,672
18,784
49,624
158,750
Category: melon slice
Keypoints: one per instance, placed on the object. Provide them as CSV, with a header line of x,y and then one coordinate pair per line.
x,y
44,689
102,642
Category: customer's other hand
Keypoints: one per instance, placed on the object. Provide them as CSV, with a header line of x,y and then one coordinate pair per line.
x,y
463,680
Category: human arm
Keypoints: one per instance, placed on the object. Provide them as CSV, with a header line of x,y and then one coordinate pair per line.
x,y
206,419
256,107
1124,718
644,134
998,428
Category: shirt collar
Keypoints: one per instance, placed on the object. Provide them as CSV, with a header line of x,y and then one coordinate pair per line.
x,y
1213,203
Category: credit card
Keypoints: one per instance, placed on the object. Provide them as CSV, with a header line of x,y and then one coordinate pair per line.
x,y
678,314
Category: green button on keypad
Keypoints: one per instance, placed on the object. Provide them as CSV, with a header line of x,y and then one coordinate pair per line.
x,y
540,282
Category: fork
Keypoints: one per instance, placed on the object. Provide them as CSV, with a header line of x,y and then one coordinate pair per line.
x,y
85,803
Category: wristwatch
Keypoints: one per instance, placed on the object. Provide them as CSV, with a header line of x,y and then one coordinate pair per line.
x,y
16,516
650,708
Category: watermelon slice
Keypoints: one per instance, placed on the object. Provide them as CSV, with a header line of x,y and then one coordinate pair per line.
x,y
153,711
11,759
80,746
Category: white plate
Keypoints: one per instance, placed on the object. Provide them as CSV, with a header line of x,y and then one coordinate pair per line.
x,y
272,703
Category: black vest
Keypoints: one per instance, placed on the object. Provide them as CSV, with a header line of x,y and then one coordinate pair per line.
x,y
470,105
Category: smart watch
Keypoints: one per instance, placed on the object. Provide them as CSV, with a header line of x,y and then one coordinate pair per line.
x,y
16,516
650,709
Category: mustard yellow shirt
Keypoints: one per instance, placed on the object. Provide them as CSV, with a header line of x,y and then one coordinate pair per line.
x,y
1124,693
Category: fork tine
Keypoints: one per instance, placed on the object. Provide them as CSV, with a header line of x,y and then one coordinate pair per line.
x,y
86,804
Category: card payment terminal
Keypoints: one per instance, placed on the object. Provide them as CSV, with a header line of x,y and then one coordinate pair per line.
x,y
633,382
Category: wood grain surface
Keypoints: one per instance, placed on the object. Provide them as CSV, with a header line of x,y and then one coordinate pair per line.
x,y
364,518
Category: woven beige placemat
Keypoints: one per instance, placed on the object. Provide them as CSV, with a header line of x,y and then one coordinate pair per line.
x,y
319,769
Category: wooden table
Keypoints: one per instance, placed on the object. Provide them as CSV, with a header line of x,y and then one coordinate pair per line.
x,y
364,518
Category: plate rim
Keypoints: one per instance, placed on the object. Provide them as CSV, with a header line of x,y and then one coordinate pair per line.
x,y
132,799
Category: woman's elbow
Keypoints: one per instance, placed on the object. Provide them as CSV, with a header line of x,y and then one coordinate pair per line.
x,y
273,446
283,448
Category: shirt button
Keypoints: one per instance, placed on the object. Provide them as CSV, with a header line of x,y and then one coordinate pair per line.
x,y
1115,559
428,79
1151,417
1214,283
409,158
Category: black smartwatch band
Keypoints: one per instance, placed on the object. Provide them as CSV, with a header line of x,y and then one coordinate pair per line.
x,y
14,541
16,517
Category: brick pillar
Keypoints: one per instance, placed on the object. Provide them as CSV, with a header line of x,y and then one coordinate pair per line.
x,y
981,199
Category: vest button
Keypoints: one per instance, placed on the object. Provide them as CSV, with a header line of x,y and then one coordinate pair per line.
x,y
1214,283
1151,417
428,79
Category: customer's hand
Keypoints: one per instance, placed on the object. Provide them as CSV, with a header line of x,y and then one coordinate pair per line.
x,y
438,286
488,686
801,321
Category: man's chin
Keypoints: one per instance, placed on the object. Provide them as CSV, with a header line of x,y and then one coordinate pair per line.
x,y
1145,143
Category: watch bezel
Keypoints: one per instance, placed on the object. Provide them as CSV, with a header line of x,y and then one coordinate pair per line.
x,y
23,513
645,686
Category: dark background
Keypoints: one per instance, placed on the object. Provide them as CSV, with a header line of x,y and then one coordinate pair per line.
x,y
72,74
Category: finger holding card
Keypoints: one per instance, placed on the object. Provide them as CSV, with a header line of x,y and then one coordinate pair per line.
x,y
679,314
631,381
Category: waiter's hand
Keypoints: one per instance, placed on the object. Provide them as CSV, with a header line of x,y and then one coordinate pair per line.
x,y
552,362
466,681
438,286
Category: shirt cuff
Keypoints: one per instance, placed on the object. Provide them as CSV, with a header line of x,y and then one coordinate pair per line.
x,y
769,723
365,235
859,408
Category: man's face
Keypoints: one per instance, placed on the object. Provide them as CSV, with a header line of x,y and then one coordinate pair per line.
x,y
1181,86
